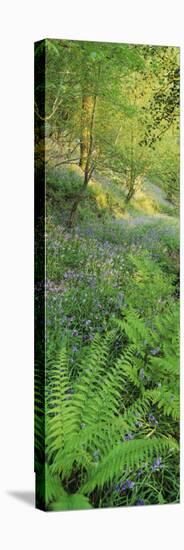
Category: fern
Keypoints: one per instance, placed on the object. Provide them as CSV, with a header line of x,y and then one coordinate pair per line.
x,y
167,400
88,419
51,493
128,455
133,326
71,502
39,416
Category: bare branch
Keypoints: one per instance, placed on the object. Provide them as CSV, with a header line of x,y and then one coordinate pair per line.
x,y
56,104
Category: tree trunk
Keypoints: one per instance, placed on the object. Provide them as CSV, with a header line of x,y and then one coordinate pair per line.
x,y
130,194
87,163
86,144
76,202
131,189
86,116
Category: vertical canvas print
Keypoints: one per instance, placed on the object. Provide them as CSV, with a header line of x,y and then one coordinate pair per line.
x,y
106,274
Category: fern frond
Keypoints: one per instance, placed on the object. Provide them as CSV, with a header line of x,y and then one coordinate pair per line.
x,y
167,365
133,326
88,420
71,502
59,417
130,454
39,415
90,377
166,400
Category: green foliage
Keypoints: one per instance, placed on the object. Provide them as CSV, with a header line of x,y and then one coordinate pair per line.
x,y
88,417
111,406
39,416
136,89
164,105
52,495
131,454
94,274
63,184
71,502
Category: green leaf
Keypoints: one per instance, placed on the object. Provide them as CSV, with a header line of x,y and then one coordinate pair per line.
x,y
71,502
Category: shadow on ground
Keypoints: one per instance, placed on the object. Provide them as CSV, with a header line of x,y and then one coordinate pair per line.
x,y
28,497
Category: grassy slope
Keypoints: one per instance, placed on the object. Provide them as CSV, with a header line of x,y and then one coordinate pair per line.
x,y
147,220
94,259
107,196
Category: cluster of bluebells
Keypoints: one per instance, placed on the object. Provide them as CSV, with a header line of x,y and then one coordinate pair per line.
x,y
140,502
157,464
92,271
88,291
122,487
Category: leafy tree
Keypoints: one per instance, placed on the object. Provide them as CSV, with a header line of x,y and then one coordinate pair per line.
x,y
106,106
164,104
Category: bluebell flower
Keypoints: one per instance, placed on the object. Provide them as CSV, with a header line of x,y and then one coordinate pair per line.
x,y
139,473
124,486
140,502
152,420
74,349
138,424
128,484
155,351
128,437
75,332
157,464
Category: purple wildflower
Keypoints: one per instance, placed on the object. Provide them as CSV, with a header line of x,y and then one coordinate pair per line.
x,y
74,349
128,484
75,332
152,420
157,464
155,351
138,424
128,437
140,502
139,473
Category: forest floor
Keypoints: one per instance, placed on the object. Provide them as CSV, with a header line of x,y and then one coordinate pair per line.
x,y
119,262
149,207
107,233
